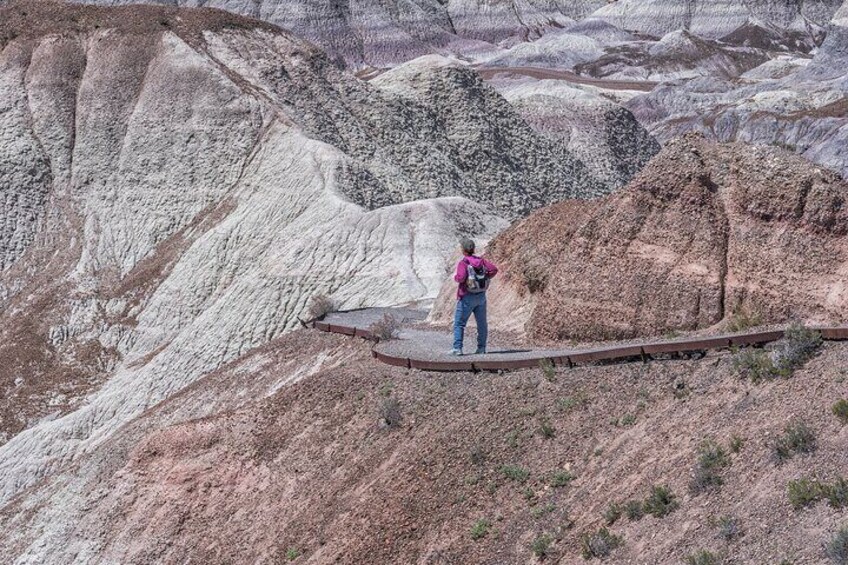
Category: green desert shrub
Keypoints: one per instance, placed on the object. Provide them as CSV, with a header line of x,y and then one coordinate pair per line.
x,y
706,473
797,437
390,412
660,502
837,493
633,509
599,544
728,528
541,546
612,513
755,364
515,473
736,443
799,344
840,410
837,548
546,430
743,318
703,557
480,529
548,369
561,478
805,492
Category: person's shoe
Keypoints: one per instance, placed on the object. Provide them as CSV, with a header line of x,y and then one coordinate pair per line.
x,y
455,352
480,351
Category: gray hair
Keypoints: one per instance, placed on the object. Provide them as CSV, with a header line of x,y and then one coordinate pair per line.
x,y
467,245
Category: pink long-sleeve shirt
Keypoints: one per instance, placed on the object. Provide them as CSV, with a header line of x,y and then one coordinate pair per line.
x,y
462,272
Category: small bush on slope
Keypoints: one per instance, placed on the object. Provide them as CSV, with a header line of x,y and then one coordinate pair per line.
x,y
837,547
661,502
599,544
797,438
728,528
711,459
798,345
386,328
754,364
837,493
561,479
541,545
703,557
548,369
743,318
612,513
390,414
804,492
515,473
840,410
480,529
320,305
634,510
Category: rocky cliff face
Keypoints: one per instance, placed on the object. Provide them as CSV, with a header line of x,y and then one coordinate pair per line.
x,y
176,184
702,232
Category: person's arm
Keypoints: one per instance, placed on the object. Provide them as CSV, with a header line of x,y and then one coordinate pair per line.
x,y
491,269
461,272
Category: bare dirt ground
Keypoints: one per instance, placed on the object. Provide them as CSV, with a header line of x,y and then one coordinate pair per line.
x,y
314,469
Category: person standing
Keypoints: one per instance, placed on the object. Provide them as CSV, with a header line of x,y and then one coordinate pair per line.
x,y
473,274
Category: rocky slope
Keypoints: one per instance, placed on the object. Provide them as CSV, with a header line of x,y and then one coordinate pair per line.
x,y
602,134
176,184
790,101
383,34
284,455
702,232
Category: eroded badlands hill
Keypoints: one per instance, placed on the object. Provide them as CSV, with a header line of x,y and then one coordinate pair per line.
x,y
177,183
705,230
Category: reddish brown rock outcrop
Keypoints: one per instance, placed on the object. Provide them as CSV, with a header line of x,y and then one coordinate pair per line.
x,y
704,230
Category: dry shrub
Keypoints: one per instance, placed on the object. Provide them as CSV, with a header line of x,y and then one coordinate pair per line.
x,y
797,438
390,414
743,318
837,547
600,544
706,474
386,328
320,305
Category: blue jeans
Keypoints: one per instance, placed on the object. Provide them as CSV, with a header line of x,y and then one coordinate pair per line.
x,y
465,306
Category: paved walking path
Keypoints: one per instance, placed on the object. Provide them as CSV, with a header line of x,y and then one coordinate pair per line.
x,y
420,347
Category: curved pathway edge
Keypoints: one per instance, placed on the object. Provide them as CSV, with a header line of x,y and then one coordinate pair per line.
x,y
643,351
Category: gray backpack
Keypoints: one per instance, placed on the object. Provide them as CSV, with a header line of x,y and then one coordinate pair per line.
x,y
477,278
